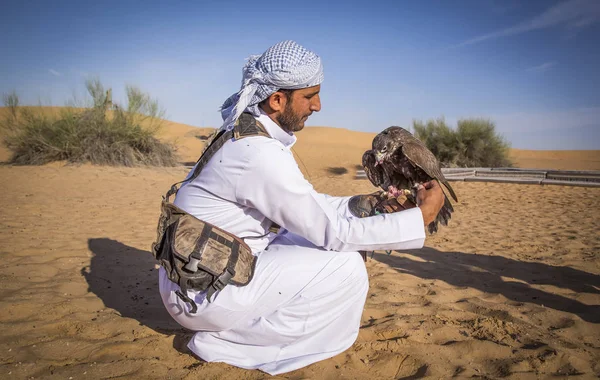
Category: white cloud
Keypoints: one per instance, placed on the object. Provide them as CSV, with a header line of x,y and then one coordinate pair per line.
x,y
54,72
543,67
572,14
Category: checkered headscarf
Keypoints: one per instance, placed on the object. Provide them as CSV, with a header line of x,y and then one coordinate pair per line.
x,y
285,65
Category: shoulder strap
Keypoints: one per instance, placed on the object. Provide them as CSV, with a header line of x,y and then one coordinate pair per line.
x,y
245,126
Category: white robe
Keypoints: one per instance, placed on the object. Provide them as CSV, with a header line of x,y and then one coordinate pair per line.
x,y
305,301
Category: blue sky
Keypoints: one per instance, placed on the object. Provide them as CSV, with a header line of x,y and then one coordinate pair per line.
x,y
530,66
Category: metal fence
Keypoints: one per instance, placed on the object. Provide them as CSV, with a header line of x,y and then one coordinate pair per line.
x,y
587,178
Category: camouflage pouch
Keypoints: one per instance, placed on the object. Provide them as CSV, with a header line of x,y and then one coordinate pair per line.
x,y
198,255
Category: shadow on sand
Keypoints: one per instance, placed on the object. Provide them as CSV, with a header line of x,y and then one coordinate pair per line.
x,y
125,279
485,273
337,170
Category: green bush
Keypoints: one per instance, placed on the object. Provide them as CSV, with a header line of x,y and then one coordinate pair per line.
x,y
104,133
474,143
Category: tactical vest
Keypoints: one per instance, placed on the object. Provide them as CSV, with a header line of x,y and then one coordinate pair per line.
x,y
198,255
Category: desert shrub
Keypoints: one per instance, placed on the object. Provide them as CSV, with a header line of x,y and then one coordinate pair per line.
x,y
104,133
480,145
439,138
474,143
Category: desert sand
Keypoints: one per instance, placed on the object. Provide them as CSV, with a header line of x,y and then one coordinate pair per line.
x,y
511,288
556,159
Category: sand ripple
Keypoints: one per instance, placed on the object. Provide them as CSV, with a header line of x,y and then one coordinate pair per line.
x,y
510,289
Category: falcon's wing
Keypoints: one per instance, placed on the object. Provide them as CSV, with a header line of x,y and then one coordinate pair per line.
x,y
374,173
418,154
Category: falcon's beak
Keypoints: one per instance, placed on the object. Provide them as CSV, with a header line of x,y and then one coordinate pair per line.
x,y
378,158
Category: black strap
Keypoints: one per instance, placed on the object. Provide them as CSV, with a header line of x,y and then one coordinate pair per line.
x,y
210,151
215,145
233,258
245,126
182,293
196,255
220,282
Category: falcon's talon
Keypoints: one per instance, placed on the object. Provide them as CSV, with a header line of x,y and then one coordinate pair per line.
x,y
415,190
394,192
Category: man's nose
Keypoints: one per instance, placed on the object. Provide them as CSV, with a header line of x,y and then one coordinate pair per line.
x,y
315,105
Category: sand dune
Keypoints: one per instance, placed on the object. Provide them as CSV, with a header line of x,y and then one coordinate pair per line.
x,y
556,159
344,147
510,289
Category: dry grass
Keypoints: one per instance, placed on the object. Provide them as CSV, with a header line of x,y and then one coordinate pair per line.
x,y
102,134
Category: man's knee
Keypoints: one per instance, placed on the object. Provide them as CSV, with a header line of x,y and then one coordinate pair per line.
x,y
356,269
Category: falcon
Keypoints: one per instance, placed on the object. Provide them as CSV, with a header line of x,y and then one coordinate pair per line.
x,y
399,163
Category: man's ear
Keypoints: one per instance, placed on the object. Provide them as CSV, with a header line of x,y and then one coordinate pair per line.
x,y
277,101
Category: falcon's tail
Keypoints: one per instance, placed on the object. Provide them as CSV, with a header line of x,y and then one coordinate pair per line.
x,y
451,190
442,217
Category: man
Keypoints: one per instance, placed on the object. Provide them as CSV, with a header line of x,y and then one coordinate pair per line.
x,y
305,301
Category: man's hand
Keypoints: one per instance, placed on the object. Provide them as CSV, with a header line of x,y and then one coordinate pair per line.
x,y
430,199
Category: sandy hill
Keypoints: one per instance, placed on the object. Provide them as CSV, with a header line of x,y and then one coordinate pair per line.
x,y
325,150
336,150
556,159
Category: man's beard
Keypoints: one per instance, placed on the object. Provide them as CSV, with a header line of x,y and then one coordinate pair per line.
x,y
290,121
